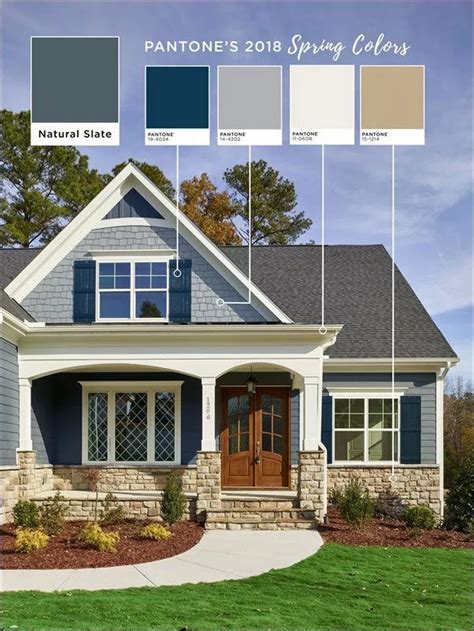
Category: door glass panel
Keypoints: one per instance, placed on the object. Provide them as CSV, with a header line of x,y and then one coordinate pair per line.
x,y
278,445
244,413
131,427
277,406
232,407
266,403
267,423
266,442
233,444
233,426
244,442
278,426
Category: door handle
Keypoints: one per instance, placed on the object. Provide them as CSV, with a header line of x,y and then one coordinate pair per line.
x,y
257,453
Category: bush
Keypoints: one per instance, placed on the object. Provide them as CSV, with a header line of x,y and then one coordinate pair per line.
x,y
389,505
93,534
419,517
30,539
355,505
112,512
460,500
335,497
173,502
53,514
26,514
157,532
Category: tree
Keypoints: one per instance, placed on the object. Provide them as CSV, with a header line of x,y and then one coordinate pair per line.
x,y
42,187
458,427
274,199
153,173
211,210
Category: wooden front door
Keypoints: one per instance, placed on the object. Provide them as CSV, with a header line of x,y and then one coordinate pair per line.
x,y
255,437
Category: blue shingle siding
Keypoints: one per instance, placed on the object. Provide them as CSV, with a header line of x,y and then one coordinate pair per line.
x,y
57,414
415,384
52,300
9,403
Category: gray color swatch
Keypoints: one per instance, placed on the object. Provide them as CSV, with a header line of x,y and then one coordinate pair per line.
x,y
249,97
74,79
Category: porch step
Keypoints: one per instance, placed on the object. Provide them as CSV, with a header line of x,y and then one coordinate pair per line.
x,y
258,504
258,518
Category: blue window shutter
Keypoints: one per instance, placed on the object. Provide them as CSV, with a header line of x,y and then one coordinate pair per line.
x,y
410,430
326,426
180,291
84,291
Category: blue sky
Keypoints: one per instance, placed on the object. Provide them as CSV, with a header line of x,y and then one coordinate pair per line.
x,y
433,183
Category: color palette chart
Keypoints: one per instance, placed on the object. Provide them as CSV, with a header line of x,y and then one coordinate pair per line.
x,y
177,105
249,105
322,105
75,91
392,105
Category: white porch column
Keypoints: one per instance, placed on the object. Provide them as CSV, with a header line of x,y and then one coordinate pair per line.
x,y
208,442
312,415
25,443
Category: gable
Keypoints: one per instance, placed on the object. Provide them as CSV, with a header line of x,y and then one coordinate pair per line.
x,y
133,205
89,219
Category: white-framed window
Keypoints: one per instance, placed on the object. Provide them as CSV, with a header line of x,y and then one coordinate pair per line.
x,y
132,289
125,422
366,428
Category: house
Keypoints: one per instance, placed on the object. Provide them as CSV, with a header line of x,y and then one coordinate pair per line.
x,y
127,349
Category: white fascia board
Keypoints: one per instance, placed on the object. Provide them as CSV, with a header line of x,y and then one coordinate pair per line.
x,y
97,209
384,364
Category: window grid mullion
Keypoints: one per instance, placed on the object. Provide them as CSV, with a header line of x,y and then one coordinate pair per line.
x,y
150,426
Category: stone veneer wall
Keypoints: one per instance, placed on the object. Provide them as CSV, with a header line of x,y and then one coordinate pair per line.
x,y
311,482
415,484
208,482
127,478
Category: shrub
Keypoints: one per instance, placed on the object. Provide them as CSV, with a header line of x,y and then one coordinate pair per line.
x,y
419,517
26,514
335,497
173,502
93,534
112,512
460,500
53,514
156,532
355,505
389,505
30,539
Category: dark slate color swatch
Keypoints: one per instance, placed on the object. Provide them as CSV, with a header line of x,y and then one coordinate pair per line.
x,y
74,79
133,204
177,97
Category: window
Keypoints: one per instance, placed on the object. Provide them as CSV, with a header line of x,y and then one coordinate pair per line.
x,y
131,422
133,290
366,429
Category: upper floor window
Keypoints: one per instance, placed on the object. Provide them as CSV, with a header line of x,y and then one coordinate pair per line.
x,y
366,429
133,290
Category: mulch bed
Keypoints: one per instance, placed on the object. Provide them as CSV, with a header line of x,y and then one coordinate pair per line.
x,y
65,551
390,532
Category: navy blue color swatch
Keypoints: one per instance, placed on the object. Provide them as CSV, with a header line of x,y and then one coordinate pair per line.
x,y
177,97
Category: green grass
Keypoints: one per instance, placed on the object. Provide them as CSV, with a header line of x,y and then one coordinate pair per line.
x,y
341,587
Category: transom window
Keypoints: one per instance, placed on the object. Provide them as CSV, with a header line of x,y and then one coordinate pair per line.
x,y
133,290
131,423
366,429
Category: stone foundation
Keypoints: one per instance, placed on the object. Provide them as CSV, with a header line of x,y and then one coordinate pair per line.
x,y
415,484
126,478
208,482
311,482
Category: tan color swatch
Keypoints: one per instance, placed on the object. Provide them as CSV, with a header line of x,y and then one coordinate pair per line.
x,y
392,97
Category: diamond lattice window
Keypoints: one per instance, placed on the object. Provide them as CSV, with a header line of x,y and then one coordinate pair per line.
x,y
131,427
165,426
97,427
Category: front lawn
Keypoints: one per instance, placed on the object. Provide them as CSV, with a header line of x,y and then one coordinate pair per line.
x,y
341,587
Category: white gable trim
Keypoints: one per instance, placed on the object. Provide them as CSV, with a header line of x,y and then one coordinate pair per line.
x,y
97,209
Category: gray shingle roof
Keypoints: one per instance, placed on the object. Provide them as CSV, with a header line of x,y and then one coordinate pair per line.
x,y
12,261
357,295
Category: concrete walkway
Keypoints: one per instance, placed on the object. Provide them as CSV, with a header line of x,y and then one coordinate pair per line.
x,y
219,556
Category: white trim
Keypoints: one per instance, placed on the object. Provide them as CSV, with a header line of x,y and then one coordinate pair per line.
x,y
120,256
97,209
150,387
366,396
364,391
118,222
25,437
440,377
